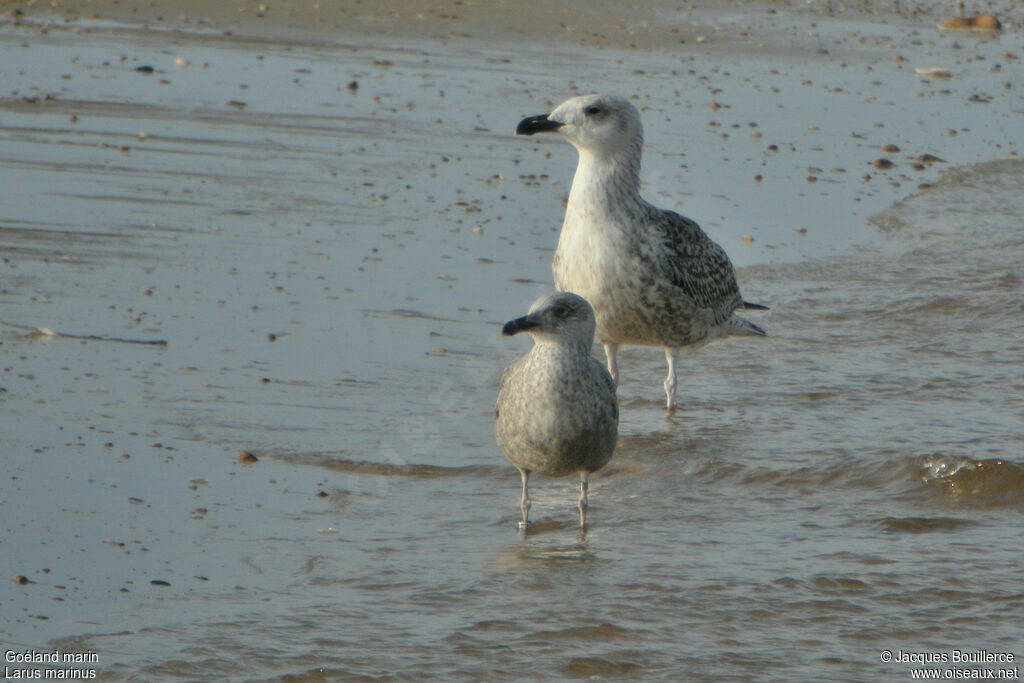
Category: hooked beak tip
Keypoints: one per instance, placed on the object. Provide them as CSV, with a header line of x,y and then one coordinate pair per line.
x,y
537,124
513,327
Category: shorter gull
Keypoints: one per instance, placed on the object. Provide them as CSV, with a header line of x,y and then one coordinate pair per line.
x,y
653,277
556,412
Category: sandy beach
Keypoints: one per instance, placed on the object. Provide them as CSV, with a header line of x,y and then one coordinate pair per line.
x,y
254,263
602,23
606,23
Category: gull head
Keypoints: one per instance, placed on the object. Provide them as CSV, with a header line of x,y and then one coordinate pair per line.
x,y
600,124
562,317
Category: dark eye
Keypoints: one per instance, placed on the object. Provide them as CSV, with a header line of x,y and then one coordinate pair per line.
x,y
562,312
592,110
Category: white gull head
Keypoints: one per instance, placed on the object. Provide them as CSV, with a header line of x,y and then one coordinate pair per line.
x,y
602,125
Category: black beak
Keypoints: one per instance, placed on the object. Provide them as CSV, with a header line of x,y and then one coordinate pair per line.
x,y
518,325
537,124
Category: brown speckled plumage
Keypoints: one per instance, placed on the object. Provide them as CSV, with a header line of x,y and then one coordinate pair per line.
x,y
556,411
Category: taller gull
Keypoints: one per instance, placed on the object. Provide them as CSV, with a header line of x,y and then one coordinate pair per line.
x,y
653,277
556,411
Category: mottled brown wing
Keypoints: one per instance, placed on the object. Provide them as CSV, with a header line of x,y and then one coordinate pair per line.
x,y
697,265
606,380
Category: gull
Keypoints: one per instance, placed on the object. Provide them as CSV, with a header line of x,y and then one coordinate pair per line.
x,y
653,277
556,412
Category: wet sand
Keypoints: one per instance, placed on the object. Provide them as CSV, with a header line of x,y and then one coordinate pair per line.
x,y
327,222
604,23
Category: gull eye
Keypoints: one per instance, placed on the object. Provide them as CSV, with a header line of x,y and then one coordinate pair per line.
x,y
592,110
562,312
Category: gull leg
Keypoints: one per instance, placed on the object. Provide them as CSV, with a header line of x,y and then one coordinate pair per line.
x,y
524,503
582,505
610,349
671,355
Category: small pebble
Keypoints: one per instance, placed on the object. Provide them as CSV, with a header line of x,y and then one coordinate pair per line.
x,y
933,72
984,22
246,456
882,163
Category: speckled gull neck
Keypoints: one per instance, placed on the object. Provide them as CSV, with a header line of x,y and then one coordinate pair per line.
x,y
653,277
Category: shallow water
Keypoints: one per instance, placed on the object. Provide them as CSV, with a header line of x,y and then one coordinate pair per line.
x,y
330,267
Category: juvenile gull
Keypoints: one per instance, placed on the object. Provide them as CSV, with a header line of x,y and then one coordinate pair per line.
x,y
556,411
653,277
